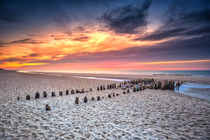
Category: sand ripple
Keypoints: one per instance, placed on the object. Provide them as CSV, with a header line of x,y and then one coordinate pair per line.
x,y
147,114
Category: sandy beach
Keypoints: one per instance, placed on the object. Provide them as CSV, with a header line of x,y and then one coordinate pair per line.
x,y
148,114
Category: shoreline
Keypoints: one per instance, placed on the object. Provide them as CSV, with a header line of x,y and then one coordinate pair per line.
x,y
120,78
193,79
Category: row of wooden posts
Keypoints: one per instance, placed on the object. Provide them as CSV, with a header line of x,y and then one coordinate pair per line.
x,y
142,84
135,85
109,86
151,84
45,95
98,98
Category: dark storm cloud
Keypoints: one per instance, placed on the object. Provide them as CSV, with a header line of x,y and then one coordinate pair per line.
x,y
21,41
8,18
76,29
161,34
22,59
7,15
11,60
128,18
83,38
34,54
182,23
189,49
26,16
2,44
26,40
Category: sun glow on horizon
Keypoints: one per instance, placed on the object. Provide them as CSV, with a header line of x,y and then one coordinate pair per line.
x,y
56,47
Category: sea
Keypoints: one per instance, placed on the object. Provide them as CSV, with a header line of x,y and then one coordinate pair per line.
x,y
136,72
163,72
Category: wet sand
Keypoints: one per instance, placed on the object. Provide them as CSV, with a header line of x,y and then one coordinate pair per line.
x,y
203,91
148,114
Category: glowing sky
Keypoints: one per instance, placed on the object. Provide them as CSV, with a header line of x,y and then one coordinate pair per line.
x,y
65,35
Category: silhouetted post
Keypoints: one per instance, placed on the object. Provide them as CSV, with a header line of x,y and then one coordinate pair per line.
x,y
77,100
128,91
171,85
163,85
28,97
85,99
103,87
109,95
113,94
67,92
155,85
60,93
44,94
91,89
47,107
53,94
98,98
37,95
97,88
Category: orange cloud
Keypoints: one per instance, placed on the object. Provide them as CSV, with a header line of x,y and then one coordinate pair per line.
x,y
55,47
9,65
50,48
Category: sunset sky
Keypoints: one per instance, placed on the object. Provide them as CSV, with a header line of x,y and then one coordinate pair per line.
x,y
94,35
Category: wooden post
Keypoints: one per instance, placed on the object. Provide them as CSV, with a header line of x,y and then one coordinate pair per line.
x,y
44,94
53,94
37,95
98,98
28,97
67,92
77,100
47,107
85,99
